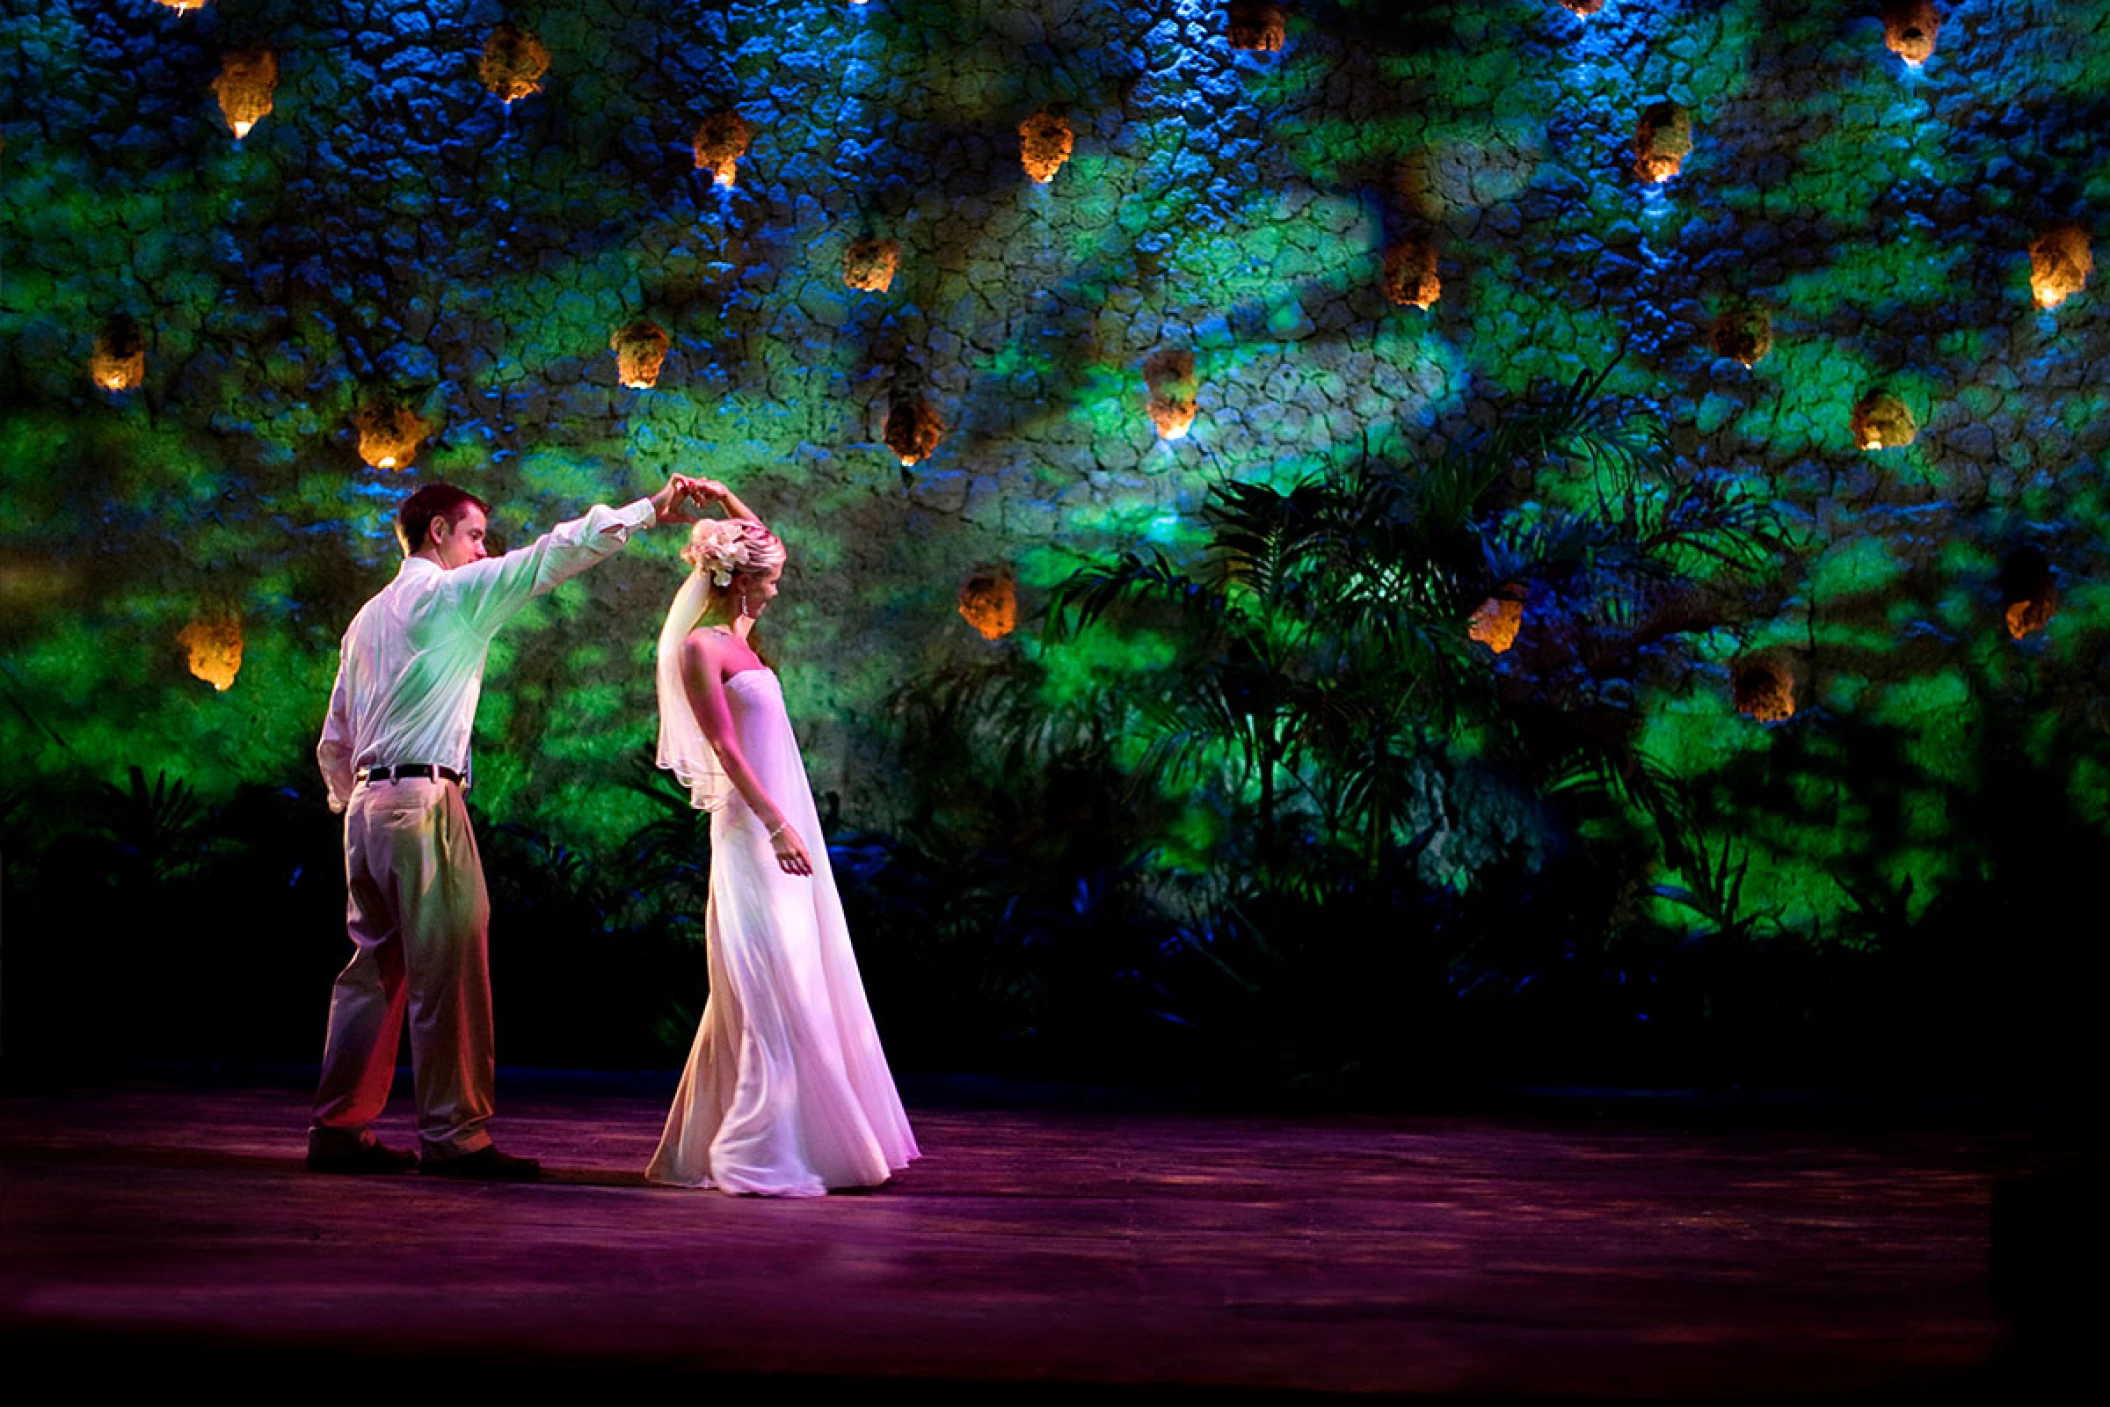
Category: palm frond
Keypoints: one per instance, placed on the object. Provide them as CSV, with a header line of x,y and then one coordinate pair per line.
x,y
1134,578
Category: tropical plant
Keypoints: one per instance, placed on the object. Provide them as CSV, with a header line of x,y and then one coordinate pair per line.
x,y
1323,679
1005,915
1322,642
155,832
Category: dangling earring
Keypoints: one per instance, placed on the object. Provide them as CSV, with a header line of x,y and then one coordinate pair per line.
x,y
744,611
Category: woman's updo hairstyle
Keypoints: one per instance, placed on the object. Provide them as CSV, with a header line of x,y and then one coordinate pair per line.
x,y
723,548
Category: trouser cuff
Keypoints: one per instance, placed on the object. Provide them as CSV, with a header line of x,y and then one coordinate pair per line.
x,y
456,1146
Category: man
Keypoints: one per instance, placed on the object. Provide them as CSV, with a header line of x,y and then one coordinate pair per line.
x,y
395,753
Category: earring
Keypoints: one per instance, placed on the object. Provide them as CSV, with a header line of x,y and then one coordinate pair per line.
x,y
744,608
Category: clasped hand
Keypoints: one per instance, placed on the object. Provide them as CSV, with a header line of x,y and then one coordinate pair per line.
x,y
683,495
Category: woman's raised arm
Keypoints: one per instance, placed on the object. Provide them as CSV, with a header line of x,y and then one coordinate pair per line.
x,y
713,490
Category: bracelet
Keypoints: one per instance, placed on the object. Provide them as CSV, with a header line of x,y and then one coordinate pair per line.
x,y
782,826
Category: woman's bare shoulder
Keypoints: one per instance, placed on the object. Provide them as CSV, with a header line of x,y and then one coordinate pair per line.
x,y
705,646
718,652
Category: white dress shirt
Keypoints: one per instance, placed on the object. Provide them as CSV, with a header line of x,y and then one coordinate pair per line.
x,y
412,664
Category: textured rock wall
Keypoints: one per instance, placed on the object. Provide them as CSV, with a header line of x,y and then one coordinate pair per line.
x,y
392,236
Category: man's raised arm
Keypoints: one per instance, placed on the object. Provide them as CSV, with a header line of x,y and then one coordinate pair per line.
x,y
492,591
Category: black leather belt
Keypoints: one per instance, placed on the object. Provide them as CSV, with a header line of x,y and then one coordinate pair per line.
x,y
414,769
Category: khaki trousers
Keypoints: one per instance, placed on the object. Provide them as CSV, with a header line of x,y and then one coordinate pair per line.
x,y
419,920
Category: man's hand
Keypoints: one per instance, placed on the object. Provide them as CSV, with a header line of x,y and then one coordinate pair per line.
x,y
675,503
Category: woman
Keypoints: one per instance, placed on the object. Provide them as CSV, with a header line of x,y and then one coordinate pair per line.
x,y
787,1092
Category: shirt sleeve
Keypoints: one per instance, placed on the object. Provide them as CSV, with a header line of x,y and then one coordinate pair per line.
x,y
334,752
491,592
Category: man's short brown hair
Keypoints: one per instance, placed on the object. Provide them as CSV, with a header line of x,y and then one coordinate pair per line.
x,y
415,514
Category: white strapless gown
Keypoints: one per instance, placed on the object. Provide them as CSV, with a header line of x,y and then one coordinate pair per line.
x,y
787,1092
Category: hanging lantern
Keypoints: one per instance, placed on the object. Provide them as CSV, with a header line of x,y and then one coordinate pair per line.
x,y
913,429
721,140
181,7
1882,421
214,643
640,350
1256,26
1169,375
2028,596
247,78
513,63
989,601
1765,690
389,436
1044,143
1909,27
1410,274
1496,623
2059,264
1582,8
869,264
1662,141
1744,333
120,359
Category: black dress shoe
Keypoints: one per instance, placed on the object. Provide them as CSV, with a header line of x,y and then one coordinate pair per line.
x,y
486,1164
366,1159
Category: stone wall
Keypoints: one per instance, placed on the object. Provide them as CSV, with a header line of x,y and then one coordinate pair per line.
x,y
392,237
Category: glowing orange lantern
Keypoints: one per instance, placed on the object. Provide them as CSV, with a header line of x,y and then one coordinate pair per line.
x,y
389,436
989,602
513,63
181,6
120,359
1765,691
640,350
913,429
721,140
214,643
1909,27
1662,141
1256,26
246,82
1584,8
2024,617
1169,375
1496,623
1743,333
1882,421
1410,274
2029,598
1044,144
2059,264
869,264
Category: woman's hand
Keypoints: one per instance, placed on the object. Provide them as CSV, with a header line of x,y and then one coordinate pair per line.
x,y
671,504
791,851
714,491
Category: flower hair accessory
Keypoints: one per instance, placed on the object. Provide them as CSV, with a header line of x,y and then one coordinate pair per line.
x,y
719,547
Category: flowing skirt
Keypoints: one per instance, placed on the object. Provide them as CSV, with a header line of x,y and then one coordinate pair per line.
x,y
787,1092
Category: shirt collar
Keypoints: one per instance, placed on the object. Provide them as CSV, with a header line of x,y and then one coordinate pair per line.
x,y
417,566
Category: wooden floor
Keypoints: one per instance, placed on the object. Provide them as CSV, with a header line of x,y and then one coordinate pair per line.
x,y
1438,1255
